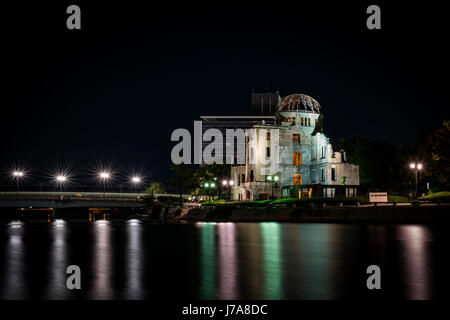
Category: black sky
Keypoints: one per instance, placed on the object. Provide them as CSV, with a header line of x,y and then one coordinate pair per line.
x,y
116,89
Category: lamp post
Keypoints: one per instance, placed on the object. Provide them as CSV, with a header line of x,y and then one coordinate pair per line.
x,y
17,175
416,168
135,181
273,179
104,177
61,180
228,184
209,186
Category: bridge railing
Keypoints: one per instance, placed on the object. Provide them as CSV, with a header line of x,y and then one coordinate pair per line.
x,y
78,196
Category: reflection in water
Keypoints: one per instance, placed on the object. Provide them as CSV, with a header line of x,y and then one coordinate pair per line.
x,y
14,278
237,260
207,260
102,267
134,261
415,262
227,261
250,260
270,232
316,262
57,288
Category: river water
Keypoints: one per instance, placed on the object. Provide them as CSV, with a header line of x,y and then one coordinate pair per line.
x,y
135,259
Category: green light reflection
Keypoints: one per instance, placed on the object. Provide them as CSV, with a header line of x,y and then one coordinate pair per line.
x,y
208,261
272,260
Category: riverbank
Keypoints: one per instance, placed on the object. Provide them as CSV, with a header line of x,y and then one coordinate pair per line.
x,y
397,214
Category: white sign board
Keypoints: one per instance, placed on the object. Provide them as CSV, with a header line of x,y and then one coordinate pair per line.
x,y
378,197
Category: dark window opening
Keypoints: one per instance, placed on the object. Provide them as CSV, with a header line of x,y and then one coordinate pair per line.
x,y
333,174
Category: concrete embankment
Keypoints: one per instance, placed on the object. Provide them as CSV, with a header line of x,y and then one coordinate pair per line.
x,y
410,214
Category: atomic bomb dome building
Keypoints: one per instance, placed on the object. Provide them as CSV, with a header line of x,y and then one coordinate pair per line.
x,y
287,155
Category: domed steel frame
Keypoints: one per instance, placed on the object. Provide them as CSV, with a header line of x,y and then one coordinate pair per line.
x,y
299,102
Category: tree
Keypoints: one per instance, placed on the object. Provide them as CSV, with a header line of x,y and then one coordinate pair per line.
x,y
181,179
437,149
208,173
155,187
379,162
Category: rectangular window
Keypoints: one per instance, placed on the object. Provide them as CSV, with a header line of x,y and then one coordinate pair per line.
x,y
296,138
323,152
268,135
268,152
297,158
297,179
301,121
322,175
251,176
333,173
309,122
251,154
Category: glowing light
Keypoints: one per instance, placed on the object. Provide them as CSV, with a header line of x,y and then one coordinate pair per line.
x,y
224,182
419,166
276,178
136,180
104,175
213,184
206,185
61,178
231,182
18,174
412,165
269,178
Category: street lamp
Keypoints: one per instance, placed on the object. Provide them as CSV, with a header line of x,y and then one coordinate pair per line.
x,y
104,177
416,168
61,179
135,182
272,179
209,185
228,183
17,175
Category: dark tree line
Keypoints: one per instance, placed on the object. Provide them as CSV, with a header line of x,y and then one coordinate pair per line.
x,y
384,166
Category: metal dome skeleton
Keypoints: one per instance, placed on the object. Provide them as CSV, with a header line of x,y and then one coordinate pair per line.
x,y
299,102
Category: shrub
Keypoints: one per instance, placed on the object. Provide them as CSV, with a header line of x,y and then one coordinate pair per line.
x,y
443,196
397,199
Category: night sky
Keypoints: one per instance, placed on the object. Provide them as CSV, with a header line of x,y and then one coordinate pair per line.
x,y
117,88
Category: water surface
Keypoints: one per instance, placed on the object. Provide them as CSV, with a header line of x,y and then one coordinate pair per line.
x,y
136,259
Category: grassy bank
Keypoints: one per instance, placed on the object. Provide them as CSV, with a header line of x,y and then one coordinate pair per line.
x,y
443,196
295,202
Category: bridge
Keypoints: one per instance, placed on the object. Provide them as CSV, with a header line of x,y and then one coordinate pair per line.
x,y
53,200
